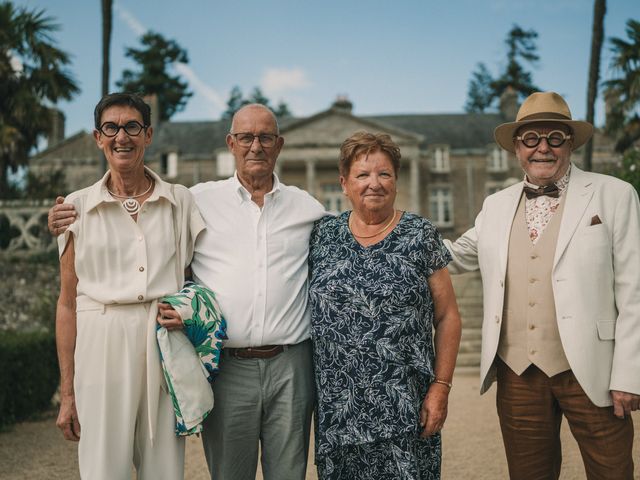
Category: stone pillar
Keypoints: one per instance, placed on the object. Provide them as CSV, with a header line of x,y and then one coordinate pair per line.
x,y
414,186
311,177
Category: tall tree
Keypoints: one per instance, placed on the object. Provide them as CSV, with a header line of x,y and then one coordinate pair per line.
x,y
480,94
282,110
155,59
485,91
107,17
622,93
597,34
234,103
521,47
258,97
33,77
237,101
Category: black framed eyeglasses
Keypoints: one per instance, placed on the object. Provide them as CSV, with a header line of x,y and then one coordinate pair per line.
x,y
267,140
131,128
555,138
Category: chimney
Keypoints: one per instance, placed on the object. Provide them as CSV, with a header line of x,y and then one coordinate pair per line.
x,y
152,101
342,104
509,103
56,132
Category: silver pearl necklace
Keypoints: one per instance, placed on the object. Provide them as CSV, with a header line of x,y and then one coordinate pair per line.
x,y
130,204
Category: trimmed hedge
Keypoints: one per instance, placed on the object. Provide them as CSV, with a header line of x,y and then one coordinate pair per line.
x,y
29,374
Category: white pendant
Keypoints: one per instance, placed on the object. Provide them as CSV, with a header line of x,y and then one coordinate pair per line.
x,y
131,205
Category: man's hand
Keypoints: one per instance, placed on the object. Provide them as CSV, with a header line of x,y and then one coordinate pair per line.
x,y
434,409
68,418
624,403
168,317
61,215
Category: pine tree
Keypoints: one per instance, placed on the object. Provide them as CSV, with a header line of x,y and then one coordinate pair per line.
x,y
485,91
155,60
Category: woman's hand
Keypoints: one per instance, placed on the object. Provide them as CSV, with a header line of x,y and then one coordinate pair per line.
x,y
434,409
168,317
68,418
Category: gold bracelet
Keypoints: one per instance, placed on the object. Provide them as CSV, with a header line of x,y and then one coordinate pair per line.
x,y
443,382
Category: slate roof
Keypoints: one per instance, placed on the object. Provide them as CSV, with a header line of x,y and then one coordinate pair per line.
x,y
196,139
193,138
458,130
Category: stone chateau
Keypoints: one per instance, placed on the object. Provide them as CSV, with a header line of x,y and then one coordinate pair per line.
x,y
449,165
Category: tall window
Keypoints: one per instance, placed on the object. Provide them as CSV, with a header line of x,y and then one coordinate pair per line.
x,y
441,205
169,164
440,159
332,198
497,159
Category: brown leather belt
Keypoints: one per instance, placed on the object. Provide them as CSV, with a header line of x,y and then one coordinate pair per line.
x,y
266,351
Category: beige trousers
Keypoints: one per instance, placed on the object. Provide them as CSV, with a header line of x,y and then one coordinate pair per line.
x,y
111,397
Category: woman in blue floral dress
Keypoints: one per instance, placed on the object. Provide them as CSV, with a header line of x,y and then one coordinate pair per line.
x,y
379,288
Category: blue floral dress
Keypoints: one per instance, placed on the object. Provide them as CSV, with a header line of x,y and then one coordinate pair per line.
x,y
372,321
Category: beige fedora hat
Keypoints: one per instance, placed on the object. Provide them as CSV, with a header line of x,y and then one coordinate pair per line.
x,y
543,107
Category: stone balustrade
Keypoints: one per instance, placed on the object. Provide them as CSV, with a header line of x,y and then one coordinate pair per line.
x,y
23,227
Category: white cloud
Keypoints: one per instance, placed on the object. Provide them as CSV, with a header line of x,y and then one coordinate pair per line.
x,y
276,81
215,101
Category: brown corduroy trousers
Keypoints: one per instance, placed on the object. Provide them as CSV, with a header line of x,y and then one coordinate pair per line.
x,y
530,407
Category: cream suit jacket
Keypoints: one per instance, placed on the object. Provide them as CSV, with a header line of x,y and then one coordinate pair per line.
x,y
595,280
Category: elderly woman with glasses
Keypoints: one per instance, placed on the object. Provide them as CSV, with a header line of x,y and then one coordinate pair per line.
x,y
132,239
378,289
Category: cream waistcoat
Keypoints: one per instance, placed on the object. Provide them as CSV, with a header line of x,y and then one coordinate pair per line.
x,y
529,333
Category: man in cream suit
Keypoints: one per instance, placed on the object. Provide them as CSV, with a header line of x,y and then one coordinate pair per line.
x,y
559,256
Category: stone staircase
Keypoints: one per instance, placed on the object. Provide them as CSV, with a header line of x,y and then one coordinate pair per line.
x,y
468,288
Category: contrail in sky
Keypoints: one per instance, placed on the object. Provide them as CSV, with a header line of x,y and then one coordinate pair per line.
x,y
200,87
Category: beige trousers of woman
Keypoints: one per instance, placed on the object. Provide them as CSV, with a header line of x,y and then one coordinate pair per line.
x,y
111,397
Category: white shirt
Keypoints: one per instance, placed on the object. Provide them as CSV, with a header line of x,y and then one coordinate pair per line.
x,y
255,259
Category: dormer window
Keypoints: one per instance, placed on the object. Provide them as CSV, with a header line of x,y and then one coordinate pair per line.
x,y
440,159
497,159
169,164
225,164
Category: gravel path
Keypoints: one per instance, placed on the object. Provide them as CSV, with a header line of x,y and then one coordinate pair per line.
x,y
472,445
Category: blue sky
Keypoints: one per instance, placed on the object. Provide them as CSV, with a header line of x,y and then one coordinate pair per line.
x,y
387,57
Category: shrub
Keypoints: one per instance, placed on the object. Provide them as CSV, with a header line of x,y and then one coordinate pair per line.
x,y
29,374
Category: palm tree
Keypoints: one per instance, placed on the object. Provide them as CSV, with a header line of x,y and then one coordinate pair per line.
x,y
107,16
597,33
33,77
622,93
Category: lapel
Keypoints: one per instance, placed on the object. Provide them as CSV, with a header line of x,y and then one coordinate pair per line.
x,y
579,193
510,206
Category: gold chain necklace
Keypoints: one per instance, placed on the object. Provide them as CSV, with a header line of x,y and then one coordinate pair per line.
x,y
130,204
393,217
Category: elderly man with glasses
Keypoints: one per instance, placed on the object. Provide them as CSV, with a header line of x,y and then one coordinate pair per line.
x,y
253,254
559,255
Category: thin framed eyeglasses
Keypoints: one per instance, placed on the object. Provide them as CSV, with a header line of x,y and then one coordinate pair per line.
x,y
131,128
555,138
267,140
